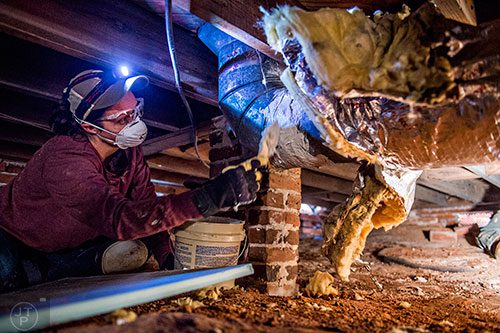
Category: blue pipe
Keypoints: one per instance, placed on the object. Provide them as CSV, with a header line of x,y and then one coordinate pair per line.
x,y
248,103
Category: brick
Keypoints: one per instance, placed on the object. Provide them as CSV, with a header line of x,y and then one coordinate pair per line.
x,y
464,230
310,232
442,235
280,289
262,236
264,217
293,271
272,254
271,199
448,222
3,165
294,200
257,216
275,273
426,220
480,218
287,180
434,212
266,272
257,236
306,224
292,218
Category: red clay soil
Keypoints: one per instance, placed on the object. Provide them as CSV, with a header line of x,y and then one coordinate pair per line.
x,y
387,297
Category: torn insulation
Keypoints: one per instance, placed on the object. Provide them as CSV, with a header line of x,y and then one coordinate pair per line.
x,y
389,90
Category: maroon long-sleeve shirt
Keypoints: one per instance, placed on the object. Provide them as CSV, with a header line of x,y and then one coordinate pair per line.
x,y
66,196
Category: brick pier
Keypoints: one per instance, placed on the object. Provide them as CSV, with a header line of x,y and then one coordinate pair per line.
x,y
272,222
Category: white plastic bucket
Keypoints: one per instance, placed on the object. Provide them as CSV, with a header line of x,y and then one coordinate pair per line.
x,y
209,242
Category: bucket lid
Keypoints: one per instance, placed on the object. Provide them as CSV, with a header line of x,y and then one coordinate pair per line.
x,y
212,226
218,219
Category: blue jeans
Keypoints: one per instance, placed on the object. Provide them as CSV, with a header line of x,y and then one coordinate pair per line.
x,y
489,235
21,266
10,273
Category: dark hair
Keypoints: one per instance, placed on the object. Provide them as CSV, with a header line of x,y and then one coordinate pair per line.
x,y
62,121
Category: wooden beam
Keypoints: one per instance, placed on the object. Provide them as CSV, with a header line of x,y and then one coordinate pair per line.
x,y
6,177
32,73
190,153
367,5
110,33
24,134
470,190
346,171
419,204
325,182
492,168
19,108
178,165
315,201
332,197
423,193
180,16
17,152
173,178
482,172
182,137
237,18
241,18
449,173
166,189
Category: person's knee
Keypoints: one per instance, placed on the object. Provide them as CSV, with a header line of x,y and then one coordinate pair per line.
x,y
10,274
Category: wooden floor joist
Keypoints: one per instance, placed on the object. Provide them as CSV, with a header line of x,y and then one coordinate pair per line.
x,y
482,172
470,190
83,29
325,182
183,136
179,165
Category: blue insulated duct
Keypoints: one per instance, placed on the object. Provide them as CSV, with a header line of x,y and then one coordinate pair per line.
x,y
252,96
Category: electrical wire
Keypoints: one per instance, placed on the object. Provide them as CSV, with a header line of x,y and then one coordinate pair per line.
x,y
173,58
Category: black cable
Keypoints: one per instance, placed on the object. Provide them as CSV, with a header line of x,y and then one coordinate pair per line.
x,y
171,49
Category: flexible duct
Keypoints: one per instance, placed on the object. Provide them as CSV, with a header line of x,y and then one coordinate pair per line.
x,y
384,90
252,96
378,114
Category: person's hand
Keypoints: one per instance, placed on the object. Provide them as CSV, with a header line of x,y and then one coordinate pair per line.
x,y
232,188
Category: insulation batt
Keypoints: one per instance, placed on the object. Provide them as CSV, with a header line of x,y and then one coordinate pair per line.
x,y
348,50
321,285
390,91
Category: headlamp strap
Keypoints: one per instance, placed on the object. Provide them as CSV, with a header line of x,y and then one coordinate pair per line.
x,y
86,104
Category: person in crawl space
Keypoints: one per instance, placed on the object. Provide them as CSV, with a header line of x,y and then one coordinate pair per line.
x,y
85,205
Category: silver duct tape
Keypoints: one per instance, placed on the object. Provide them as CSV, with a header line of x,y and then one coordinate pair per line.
x,y
402,182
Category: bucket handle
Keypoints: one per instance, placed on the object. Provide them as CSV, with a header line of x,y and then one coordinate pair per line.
x,y
172,244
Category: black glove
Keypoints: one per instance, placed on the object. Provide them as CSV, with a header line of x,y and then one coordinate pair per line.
x,y
232,188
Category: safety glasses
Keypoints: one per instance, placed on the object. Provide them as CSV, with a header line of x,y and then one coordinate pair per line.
x,y
134,113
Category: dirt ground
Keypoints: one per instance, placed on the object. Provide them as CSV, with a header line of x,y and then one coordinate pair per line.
x,y
386,297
